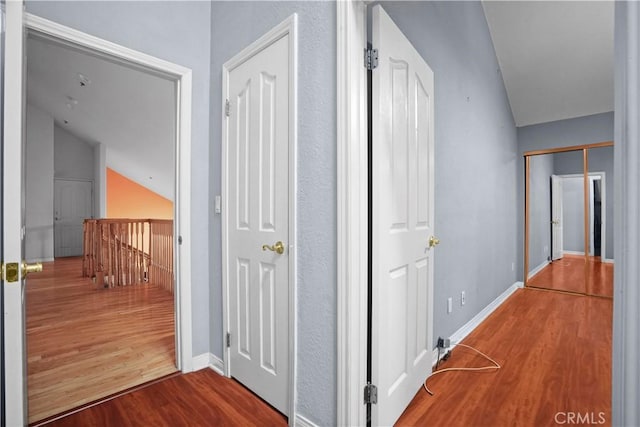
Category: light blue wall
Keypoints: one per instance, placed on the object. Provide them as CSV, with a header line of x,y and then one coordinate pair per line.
x,y
564,133
235,25
179,32
541,169
476,157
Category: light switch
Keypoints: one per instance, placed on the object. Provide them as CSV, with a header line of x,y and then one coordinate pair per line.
x,y
218,205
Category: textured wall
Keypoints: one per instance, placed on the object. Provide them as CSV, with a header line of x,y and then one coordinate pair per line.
x,y
475,157
626,299
234,26
179,32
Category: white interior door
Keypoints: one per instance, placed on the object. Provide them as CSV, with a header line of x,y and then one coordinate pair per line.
x,y
73,203
556,218
403,220
13,218
257,214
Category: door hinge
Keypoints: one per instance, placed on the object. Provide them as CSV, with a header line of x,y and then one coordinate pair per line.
x,y
371,59
228,339
227,108
179,240
370,394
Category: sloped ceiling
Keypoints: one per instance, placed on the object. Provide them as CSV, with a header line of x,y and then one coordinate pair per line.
x,y
129,110
556,57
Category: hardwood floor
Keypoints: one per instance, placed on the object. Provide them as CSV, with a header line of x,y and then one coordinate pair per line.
x,y
554,349
572,274
201,398
85,342
555,353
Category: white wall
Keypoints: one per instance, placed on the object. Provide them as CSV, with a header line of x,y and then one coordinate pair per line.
x,y
100,181
39,185
72,157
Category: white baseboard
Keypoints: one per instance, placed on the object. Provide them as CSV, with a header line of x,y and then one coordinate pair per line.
x,y
538,269
573,252
40,260
468,327
211,361
300,421
208,360
608,260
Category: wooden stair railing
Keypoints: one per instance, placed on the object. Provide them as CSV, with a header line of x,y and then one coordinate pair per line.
x,y
123,252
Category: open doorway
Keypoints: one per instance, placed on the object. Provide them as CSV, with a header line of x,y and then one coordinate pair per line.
x,y
97,320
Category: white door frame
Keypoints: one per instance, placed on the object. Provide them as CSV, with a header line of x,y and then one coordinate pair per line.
x,y
182,77
603,227
15,371
352,223
288,27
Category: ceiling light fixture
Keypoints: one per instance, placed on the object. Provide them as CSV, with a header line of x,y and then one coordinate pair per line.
x,y
84,80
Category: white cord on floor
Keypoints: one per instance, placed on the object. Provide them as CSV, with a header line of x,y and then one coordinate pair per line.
x,y
483,368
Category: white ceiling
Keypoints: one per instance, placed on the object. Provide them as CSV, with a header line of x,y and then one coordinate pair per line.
x,y
556,57
129,110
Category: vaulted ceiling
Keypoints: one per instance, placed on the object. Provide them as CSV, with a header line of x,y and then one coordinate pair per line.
x,y
556,57
129,110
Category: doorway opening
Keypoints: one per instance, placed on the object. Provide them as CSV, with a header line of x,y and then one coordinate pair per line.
x,y
89,95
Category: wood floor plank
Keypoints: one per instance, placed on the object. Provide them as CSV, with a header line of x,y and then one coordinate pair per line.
x,y
85,342
573,274
201,398
555,353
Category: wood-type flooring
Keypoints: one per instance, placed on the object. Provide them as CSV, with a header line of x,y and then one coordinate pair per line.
x,y
201,398
555,353
85,342
573,273
554,350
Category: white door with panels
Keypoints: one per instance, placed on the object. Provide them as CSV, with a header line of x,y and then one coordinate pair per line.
x,y
73,203
556,218
403,220
256,217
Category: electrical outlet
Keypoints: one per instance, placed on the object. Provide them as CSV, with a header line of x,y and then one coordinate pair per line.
x,y
463,298
513,266
449,305
443,342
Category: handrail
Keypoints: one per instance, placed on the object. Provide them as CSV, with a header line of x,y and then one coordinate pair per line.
x,y
123,251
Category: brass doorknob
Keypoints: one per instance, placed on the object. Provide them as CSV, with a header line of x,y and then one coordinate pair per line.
x,y
36,267
433,240
277,248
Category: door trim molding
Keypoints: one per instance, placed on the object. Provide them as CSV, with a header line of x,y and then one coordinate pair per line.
x,y
183,77
352,211
287,27
14,371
